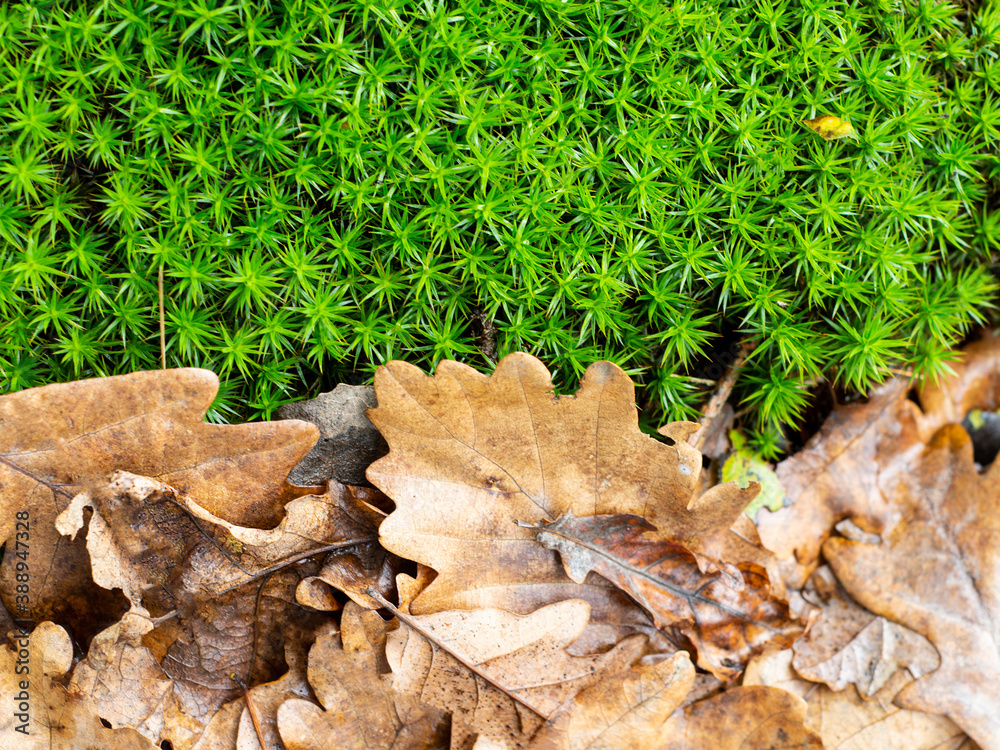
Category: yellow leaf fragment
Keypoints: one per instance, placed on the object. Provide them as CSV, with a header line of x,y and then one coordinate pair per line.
x,y
831,128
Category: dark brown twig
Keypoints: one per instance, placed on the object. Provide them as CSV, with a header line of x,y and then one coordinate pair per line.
x,y
722,391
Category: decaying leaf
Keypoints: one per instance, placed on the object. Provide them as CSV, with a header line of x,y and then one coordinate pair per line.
x,y
624,710
41,714
848,470
359,709
129,687
763,718
348,441
726,624
839,475
501,675
849,645
937,573
845,721
471,454
225,613
831,128
60,439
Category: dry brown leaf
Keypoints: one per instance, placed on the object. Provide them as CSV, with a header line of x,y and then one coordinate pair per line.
x,y
230,586
838,475
471,454
624,710
53,718
726,624
762,718
850,645
849,468
501,675
129,687
60,439
359,710
846,721
232,727
937,573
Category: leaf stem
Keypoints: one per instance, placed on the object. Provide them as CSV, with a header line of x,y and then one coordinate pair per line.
x,y
163,335
412,623
252,708
296,558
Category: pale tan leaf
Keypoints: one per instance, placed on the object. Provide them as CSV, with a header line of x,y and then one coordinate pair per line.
x,y
624,710
40,713
471,454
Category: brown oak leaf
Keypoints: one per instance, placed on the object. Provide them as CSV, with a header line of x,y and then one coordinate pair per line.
x,y
936,572
846,721
501,675
763,718
847,644
726,624
223,596
41,714
359,710
470,455
849,468
60,439
628,709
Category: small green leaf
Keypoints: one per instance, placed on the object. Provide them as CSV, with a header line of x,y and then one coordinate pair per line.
x,y
743,466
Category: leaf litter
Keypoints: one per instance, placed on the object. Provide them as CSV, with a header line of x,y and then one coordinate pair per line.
x,y
537,574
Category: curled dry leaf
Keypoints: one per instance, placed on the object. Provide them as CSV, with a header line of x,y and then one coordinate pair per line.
x,y
937,573
847,644
628,709
500,674
40,713
838,475
60,439
845,721
849,469
226,592
726,625
471,454
359,709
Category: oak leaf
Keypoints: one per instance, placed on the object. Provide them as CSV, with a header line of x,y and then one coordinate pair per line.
x,y
726,621
849,469
501,675
41,714
848,645
225,593
846,721
763,718
937,573
628,709
471,454
359,709
60,439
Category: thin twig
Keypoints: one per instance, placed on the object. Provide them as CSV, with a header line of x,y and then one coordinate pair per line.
x,y
722,390
163,334
254,716
411,623
294,559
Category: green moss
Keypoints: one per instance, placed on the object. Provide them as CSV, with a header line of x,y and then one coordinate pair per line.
x,y
328,185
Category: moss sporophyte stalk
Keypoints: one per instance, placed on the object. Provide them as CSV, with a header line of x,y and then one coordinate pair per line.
x,y
328,186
